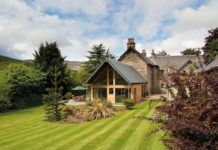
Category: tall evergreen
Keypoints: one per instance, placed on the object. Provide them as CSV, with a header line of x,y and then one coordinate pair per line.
x,y
53,100
46,59
96,56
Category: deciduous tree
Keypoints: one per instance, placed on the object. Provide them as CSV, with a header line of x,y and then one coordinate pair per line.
x,y
189,51
211,45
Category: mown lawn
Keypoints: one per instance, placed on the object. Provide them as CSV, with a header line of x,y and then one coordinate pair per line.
x,y
25,129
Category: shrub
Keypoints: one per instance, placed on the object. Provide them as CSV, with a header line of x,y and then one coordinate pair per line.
x,y
191,117
22,85
5,102
68,95
98,111
69,111
108,104
89,104
129,103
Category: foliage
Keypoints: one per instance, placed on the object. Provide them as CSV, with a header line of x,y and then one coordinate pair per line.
x,y
191,118
99,111
68,111
213,50
92,111
162,53
211,45
23,85
5,62
189,51
46,59
68,95
78,77
96,56
108,104
5,102
53,101
9,60
129,103
89,104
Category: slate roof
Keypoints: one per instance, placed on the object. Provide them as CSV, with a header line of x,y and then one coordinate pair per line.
x,y
145,59
211,65
129,74
177,61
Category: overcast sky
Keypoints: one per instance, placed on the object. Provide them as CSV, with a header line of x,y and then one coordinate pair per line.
x,y
76,25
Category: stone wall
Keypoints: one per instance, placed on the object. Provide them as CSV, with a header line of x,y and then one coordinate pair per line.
x,y
150,73
136,62
132,59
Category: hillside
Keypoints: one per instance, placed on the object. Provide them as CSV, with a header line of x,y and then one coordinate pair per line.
x,y
73,65
9,60
6,61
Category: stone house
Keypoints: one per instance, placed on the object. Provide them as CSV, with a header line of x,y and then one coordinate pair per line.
x,y
133,75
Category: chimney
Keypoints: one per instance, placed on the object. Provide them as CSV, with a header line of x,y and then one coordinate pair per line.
x,y
152,53
131,43
143,53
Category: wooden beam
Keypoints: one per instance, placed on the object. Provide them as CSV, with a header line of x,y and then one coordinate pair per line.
x,y
92,93
111,86
100,74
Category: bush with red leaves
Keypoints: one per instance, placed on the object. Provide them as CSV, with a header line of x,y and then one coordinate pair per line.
x,y
191,118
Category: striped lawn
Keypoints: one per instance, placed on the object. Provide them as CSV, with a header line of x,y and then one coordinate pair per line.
x,y
26,130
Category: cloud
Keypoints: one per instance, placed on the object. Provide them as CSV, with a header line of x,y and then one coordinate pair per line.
x,y
189,30
91,8
77,25
23,28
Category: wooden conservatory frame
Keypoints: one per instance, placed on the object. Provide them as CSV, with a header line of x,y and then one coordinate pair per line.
x,y
134,89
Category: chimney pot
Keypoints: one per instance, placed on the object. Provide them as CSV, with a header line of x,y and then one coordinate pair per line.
x,y
131,43
143,53
152,53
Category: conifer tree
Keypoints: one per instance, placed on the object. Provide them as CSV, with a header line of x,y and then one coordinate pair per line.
x,y
53,100
96,56
46,59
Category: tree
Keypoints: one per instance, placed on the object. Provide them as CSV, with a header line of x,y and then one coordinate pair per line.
x,y
210,48
46,59
97,55
23,86
5,102
190,118
53,100
162,53
189,51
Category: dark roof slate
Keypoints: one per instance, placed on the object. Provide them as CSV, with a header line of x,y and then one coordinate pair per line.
x,y
176,61
211,65
129,74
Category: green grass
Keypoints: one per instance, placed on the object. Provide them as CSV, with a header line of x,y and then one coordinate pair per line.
x,y
25,129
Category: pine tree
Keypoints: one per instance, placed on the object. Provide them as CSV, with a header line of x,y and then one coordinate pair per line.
x,y
97,55
46,59
53,100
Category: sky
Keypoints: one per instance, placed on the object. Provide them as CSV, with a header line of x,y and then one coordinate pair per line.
x,y
77,25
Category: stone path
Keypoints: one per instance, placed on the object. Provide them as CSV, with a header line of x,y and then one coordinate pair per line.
x,y
73,102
